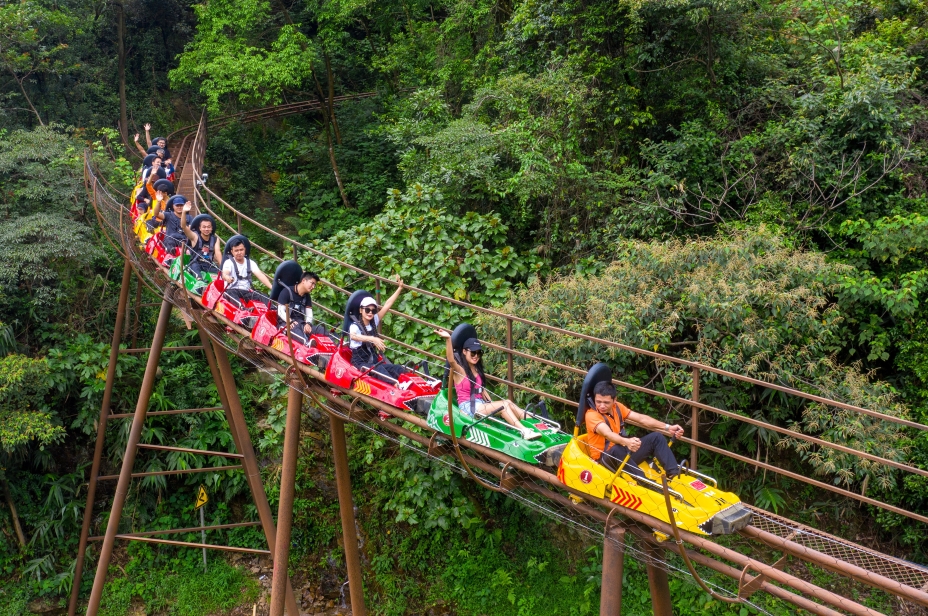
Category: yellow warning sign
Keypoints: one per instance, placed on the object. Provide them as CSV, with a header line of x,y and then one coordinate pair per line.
x,y
202,498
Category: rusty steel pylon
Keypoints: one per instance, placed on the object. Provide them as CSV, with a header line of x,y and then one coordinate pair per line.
x,y
221,373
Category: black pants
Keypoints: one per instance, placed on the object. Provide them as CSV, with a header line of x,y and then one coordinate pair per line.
x,y
652,445
172,242
243,295
384,369
199,267
299,333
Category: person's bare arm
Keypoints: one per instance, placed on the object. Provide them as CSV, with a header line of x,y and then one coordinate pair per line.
x,y
456,369
377,342
183,224
139,145
158,200
217,254
147,134
263,278
390,300
227,276
631,443
649,423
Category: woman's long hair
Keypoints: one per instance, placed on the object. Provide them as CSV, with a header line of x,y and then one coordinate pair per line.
x,y
467,371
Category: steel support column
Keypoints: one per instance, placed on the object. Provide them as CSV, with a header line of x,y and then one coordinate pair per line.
x,y
101,436
610,597
346,507
218,360
285,505
125,473
657,580
694,425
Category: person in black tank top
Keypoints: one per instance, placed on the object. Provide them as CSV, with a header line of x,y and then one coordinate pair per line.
x,y
298,300
202,244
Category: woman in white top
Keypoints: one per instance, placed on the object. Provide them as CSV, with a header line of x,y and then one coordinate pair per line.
x,y
366,345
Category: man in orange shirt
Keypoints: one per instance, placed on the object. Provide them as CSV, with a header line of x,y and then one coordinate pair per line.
x,y
607,439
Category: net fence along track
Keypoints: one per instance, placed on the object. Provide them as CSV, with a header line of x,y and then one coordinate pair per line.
x,y
115,216
902,571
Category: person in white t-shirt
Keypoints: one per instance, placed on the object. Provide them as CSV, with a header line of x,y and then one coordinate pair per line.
x,y
238,271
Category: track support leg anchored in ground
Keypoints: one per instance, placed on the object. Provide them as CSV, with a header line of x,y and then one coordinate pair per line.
x,y
125,474
610,598
101,436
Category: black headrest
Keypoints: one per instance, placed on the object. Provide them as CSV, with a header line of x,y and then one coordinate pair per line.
x,y
232,243
164,186
148,160
353,308
597,374
287,274
195,223
160,173
176,199
154,148
461,334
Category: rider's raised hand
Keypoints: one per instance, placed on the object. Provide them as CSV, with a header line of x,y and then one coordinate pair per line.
x,y
443,333
148,127
188,206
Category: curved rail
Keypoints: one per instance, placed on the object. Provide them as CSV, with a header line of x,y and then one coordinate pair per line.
x,y
536,481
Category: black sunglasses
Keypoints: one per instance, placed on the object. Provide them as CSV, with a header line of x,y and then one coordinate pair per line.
x,y
369,309
477,353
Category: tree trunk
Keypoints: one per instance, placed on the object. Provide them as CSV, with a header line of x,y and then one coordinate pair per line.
x,y
328,72
121,72
22,89
338,179
9,501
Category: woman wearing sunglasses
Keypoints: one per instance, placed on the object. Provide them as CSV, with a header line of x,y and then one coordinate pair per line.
x,y
366,345
468,376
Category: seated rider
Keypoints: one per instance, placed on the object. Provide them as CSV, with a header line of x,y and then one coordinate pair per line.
x,y
238,270
608,443
300,303
202,244
469,378
171,217
366,345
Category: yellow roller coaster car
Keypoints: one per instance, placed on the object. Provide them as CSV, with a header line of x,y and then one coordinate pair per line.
x,y
699,506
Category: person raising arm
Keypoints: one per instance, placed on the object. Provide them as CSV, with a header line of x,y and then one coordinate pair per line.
x,y
468,377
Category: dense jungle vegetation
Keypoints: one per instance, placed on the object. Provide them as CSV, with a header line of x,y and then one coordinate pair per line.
x,y
741,183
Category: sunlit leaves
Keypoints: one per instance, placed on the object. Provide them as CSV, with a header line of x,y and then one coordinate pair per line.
x,y
241,51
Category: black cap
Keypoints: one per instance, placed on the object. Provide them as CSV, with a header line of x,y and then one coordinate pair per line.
x,y
472,344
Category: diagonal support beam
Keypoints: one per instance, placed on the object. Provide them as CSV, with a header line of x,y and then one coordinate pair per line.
x,y
125,474
101,437
221,369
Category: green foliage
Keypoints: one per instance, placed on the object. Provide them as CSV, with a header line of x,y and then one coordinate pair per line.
x,y
24,414
233,53
182,589
749,304
416,237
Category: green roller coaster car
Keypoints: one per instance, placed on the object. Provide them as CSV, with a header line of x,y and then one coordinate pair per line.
x,y
192,283
493,432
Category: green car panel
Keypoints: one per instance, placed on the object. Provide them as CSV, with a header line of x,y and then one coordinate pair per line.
x,y
496,434
191,282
